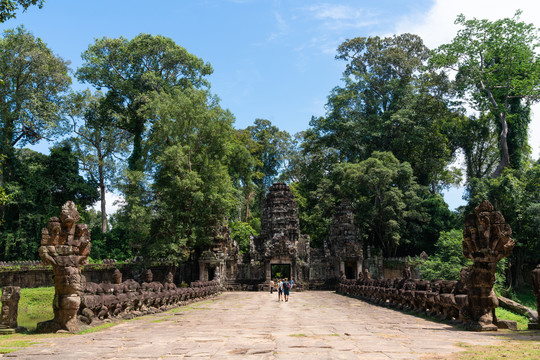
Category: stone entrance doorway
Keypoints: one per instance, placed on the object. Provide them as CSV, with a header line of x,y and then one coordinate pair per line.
x,y
350,269
281,271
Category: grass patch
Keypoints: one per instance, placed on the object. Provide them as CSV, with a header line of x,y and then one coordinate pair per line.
x,y
503,314
35,306
162,319
298,335
524,296
97,328
511,350
8,344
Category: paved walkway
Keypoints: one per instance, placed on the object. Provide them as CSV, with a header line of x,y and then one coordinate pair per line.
x,y
253,325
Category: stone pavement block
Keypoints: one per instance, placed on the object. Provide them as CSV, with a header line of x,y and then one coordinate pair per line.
x,y
323,325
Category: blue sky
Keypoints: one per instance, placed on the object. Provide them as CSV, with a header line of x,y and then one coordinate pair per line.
x,y
272,59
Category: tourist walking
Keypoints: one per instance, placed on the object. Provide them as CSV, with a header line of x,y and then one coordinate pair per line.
x,y
271,286
286,289
279,289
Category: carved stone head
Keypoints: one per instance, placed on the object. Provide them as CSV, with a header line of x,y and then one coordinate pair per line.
x,y
149,277
117,277
69,214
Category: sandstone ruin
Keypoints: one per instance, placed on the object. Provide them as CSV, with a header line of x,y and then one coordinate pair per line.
x,y
535,277
66,246
10,309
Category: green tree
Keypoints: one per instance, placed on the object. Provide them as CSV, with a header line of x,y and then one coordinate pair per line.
x,y
3,196
385,197
516,194
193,193
98,142
390,102
477,138
241,233
498,70
32,87
133,69
39,186
8,8
242,166
132,72
448,259
274,145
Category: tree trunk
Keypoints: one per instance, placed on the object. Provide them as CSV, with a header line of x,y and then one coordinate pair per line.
x,y
518,280
102,190
505,156
517,308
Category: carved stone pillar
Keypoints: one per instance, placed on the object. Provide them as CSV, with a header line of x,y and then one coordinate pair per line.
x,y
486,240
535,275
10,306
66,246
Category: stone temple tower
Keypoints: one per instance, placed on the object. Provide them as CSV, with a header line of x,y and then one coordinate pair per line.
x,y
280,243
343,249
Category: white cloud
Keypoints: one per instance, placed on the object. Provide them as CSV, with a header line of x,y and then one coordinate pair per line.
x,y
437,27
336,16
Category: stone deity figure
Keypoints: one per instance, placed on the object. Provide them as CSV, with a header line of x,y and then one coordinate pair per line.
x,y
486,240
66,246
367,276
10,305
407,272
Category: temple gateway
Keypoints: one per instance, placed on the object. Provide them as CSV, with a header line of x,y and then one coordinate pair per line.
x,y
282,251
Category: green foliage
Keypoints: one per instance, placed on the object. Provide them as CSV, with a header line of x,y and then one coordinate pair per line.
x,y
8,8
273,146
98,142
385,197
192,190
39,186
448,259
478,139
503,314
32,89
35,306
390,102
241,232
498,70
133,69
109,245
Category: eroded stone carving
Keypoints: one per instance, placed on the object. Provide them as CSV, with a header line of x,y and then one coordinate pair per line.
x,y
486,240
128,299
65,245
10,306
535,277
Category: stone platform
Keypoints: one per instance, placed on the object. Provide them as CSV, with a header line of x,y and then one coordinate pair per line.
x,y
254,325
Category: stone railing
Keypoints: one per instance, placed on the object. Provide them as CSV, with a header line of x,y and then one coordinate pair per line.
x,y
130,299
445,299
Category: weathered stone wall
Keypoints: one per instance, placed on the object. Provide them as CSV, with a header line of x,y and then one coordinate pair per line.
x,y
31,276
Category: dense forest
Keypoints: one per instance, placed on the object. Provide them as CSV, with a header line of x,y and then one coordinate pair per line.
x,y
397,131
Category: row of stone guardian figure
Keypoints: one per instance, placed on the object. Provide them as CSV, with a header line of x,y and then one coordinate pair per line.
x,y
444,299
129,298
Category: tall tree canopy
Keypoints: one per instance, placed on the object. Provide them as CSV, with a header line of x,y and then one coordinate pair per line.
x,y
498,70
8,8
272,150
193,193
390,102
132,69
385,197
32,87
98,141
39,186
